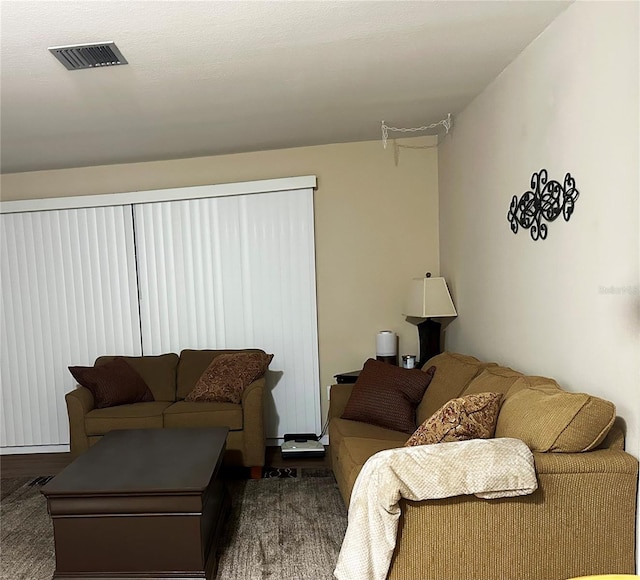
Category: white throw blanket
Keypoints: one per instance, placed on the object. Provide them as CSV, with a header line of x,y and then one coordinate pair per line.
x,y
487,468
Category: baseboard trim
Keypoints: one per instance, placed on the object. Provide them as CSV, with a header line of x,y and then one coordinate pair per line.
x,y
28,449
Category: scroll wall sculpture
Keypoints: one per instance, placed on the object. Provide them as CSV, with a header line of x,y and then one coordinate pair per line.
x,y
546,200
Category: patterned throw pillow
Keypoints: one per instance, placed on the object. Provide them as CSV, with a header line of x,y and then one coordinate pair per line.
x,y
470,417
387,396
113,383
228,376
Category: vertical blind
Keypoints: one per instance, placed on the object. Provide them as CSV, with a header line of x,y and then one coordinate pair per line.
x,y
236,272
227,271
68,295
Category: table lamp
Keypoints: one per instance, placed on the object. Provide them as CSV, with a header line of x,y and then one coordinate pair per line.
x,y
429,298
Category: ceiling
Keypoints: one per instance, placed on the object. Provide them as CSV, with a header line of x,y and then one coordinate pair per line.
x,y
216,77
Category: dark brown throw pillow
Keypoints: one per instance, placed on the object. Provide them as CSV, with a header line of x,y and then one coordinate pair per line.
x,y
387,395
228,376
113,383
470,417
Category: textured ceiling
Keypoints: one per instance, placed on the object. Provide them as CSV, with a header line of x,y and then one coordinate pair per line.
x,y
214,77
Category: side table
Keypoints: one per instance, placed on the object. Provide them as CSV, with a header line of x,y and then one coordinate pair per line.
x,y
350,377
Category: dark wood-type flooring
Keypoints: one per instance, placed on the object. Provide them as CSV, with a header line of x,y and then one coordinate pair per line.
x,y
36,464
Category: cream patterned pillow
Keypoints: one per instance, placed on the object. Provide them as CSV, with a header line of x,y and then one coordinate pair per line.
x,y
470,417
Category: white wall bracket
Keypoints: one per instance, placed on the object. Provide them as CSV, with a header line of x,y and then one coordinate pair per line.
x,y
446,123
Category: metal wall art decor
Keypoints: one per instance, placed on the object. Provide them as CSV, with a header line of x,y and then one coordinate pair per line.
x,y
546,200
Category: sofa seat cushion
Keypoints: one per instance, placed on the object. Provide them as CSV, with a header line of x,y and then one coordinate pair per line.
x,y
158,372
354,452
341,428
134,416
493,379
547,418
454,372
203,414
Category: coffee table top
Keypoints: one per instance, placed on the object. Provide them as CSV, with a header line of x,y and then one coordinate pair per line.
x,y
145,461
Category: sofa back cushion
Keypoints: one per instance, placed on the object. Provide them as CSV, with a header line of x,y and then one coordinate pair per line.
x,y
537,411
193,363
454,372
158,372
493,379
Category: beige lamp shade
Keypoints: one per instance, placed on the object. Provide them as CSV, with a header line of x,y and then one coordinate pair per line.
x,y
429,298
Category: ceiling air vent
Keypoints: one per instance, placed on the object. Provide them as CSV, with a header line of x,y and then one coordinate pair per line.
x,y
79,56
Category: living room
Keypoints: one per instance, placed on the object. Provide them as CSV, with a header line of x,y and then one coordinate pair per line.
x,y
568,104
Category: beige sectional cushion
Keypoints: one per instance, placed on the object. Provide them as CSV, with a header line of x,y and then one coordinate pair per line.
x,y
547,418
345,428
454,372
354,452
493,379
158,372
134,416
192,365
203,414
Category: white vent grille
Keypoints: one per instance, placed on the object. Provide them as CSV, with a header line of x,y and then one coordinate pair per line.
x,y
79,56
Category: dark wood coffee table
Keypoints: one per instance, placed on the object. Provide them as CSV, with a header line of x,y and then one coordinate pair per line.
x,y
144,503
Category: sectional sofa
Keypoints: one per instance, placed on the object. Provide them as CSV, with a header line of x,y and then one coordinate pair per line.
x,y
581,519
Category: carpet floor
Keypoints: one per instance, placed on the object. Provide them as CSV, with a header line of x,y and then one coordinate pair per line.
x,y
284,528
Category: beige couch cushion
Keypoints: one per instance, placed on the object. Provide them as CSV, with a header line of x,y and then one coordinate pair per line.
x,y
493,379
203,414
134,416
354,452
159,372
453,373
547,418
341,428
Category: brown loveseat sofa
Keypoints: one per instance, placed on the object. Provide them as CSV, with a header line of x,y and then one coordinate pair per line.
x,y
581,519
170,378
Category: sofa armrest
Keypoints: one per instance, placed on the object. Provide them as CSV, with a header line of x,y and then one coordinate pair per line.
x,y
556,532
615,437
80,399
338,398
600,461
253,391
79,402
253,423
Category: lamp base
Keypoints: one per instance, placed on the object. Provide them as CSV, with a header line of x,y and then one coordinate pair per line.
x,y
429,335
389,359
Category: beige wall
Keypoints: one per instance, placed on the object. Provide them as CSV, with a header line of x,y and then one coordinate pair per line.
x,y
569,306
376,227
